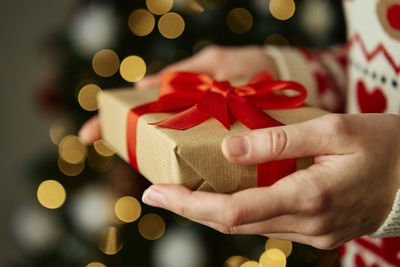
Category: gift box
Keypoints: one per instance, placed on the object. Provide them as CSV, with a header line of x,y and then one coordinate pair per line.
x,y
173,134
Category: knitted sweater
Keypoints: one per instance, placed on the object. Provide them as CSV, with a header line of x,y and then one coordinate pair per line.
x,y
360,77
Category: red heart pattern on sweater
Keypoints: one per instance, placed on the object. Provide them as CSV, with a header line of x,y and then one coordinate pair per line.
x,y
370,102
393,16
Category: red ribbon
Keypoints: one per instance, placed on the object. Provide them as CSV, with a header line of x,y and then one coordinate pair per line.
x,y
197,97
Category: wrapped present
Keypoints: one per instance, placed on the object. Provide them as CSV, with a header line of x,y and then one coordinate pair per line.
x,y
173,134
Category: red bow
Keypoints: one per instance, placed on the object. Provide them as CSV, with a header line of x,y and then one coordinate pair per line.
x,y
202,98
197,97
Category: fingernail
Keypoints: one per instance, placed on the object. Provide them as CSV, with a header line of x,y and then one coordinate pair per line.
x,y
153,198
237,145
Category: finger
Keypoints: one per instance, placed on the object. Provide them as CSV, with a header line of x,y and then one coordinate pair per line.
x,y
306,225
198,63
91,131
321,136
247,206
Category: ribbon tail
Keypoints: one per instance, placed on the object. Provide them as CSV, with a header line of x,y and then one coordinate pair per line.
x,y
184,120
270,172
248,114
131,130
216,106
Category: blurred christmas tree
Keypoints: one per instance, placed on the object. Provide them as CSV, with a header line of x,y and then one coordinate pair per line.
x,y
93,215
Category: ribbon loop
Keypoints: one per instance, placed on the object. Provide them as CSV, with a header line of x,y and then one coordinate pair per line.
x,y
184,90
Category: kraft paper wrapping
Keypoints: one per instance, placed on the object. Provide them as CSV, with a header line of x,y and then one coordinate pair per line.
x,y
192,157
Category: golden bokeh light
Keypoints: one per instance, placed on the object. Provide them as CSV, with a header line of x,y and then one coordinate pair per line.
x,y
171,25
95,264
105,63
98,162
213,4
127,209
133,68
276,39
141,22
59,129
70,169
151,226
273,257
89,97
51,194
192,7
72,149
239,20
103,148
282,9
285,246
110,242
251,264
159,7
235,261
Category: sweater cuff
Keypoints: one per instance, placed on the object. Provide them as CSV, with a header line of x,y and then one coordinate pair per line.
x,y
391,227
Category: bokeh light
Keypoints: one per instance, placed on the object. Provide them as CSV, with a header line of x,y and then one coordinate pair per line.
x,y
133,68
51,194
110,241
72,149
105,63
70,169
191,7
59,129
127,209
89,97
171,25
276,39
273,257
239,20
235,261
284,245
159,7
141,22
98,162
282,9
103,148
252,264
95,264
151,226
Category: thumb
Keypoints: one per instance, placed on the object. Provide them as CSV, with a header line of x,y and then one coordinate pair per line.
x,y
320,136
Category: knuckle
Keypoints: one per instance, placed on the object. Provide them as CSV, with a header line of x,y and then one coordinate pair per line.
x,y
276,140
319,203
338,124
182,210
232,217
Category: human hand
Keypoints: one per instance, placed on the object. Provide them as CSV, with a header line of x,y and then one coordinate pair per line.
x,y
348,192
222,63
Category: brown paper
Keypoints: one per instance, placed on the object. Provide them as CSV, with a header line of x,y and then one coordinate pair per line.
x,y
192,157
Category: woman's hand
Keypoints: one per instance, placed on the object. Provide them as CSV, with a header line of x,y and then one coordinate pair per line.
x,y
348,192
222,63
